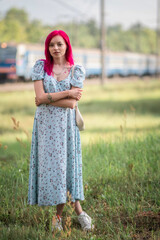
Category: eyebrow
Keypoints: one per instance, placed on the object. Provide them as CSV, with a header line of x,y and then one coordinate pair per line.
x,y
55,42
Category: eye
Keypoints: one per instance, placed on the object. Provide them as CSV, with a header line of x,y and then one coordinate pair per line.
x,y
59,44
51,45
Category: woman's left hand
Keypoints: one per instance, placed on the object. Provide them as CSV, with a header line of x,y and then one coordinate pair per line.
x,y
37,102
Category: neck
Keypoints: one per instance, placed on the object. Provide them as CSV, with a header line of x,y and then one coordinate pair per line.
x,y
60,61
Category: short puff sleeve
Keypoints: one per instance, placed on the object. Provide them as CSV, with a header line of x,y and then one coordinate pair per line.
x,y
78,76
38,71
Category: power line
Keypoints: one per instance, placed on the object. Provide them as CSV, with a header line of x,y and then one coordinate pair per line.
x,y
68,6
90,7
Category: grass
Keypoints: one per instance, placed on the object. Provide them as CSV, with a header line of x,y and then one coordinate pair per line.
x,y
121,167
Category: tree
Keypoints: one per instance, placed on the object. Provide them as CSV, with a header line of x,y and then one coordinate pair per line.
x,y
115,37
92,27
15,26
17,14
35,32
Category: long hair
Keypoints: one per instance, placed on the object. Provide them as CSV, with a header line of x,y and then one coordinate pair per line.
x,y
49,61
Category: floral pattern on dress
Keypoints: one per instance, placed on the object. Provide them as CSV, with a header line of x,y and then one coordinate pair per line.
x,y
56,158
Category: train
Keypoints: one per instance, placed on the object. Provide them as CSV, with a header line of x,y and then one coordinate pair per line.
x,y
17,60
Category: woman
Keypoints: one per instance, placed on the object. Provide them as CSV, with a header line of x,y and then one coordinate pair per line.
x,y
56,163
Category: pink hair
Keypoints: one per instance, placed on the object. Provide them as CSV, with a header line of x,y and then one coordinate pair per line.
x,y
49,62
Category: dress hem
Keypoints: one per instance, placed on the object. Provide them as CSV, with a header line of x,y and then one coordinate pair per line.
x,y
32,204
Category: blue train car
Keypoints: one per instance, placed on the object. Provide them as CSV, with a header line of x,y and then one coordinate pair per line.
x,y
27,57
7,62
16,62
123,64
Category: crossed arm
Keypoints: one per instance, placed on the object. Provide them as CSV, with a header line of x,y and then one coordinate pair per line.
x,y
66,99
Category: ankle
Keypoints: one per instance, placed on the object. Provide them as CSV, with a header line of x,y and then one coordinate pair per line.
x,y
58,216
78,213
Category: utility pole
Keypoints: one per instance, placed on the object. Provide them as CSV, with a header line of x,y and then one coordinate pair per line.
x,y
102,41
158,40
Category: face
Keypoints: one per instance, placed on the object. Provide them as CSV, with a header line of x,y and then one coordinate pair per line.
x,y
57,47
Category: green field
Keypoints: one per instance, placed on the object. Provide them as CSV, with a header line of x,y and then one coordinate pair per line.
x,y
121,167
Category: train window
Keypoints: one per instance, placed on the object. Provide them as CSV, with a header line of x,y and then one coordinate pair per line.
x,y
7,53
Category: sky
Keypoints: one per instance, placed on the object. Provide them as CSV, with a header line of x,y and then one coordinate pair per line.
x,y
125,12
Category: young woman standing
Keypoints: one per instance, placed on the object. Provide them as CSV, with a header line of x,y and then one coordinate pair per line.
x,y
56,160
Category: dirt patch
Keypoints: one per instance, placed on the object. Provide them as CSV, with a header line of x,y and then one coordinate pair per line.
x,y
13,87
26,86
145,223
149,220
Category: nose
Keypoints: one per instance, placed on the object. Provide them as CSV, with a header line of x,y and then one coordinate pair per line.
x,y
55,46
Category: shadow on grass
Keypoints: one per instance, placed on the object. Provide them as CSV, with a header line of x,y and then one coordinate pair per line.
x,y
7,130
24,110
13,153
128,129
139,87
147,106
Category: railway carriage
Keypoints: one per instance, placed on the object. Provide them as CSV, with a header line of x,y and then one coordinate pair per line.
x,y
16,62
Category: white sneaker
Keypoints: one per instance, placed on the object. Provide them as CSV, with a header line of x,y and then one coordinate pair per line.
x,y
85,221
57,223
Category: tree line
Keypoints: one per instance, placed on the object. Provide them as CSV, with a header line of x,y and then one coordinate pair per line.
x,y
15,26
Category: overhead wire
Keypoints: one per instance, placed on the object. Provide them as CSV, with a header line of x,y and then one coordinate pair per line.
x,y
68,6
74,10
89,7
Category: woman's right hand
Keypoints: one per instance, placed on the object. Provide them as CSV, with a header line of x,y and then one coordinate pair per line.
x,y
37,102
75,93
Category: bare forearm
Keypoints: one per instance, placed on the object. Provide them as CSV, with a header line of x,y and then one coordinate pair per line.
x,y
43,97
65,103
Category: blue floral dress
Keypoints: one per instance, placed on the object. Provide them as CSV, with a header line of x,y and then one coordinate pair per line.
x,y
55,160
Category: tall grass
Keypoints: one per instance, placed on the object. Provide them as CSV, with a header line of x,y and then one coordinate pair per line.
x,y
121,167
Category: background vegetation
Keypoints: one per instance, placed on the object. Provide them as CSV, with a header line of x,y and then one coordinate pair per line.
x,y
138,38
121,167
